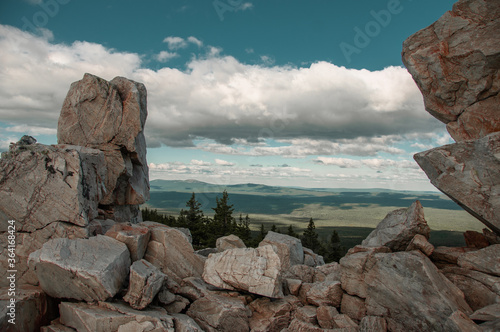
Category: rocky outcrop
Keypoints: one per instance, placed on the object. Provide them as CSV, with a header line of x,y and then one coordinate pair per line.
x,y
110,116
135,237
41,184
455,63
69,268
469,173
256,270
398,228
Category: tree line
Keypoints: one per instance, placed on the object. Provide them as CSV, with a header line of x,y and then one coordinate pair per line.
x,y
206,230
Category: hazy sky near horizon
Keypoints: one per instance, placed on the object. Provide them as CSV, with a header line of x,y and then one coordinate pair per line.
x,y
277,92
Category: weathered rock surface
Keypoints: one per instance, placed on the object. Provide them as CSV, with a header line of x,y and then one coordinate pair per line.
x,y
254,270
455,63
372,324
410,292
419,242
469,173
26,243
110,116
289,248
114,317
229,242
448,255
398,228
220,313
83,269
270,315
145,282
169,249
312,259
480,289
184,323
353,307
41,184
325,315
485,260
475,240
32,309
134,236
487,313
326,293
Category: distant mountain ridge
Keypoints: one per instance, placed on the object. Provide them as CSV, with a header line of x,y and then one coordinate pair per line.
x,y
196,186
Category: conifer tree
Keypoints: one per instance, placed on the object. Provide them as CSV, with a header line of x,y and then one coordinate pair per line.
x,y
291,232
223,218
193,219
310,238
334,250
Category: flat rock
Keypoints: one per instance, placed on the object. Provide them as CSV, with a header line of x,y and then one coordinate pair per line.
x,y
468,173
220,313
454,62
256,270
145,282
41,184
289,248
398,228
114,317
480,289
229,242
134,236
110,116
184,323
485,260
405,287
169,249
69,269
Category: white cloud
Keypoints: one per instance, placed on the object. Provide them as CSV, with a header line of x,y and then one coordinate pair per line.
x,y
175,43
319,110
376,163
195,41
31,130
164,56
200,163
221,162
245,6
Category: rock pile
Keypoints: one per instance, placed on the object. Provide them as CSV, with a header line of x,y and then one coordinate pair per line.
x,y
85,261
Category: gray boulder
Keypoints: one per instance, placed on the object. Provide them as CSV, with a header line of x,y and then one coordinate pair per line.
x,y
398,228
145,282
83,269
289,248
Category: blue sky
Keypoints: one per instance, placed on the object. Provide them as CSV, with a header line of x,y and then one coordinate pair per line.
x,y
293,93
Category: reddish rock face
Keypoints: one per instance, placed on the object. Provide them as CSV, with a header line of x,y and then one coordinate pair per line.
x,y
456,64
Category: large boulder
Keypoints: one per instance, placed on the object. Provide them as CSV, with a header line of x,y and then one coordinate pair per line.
x,y
468,173
229,242
398,228
91,269
169,249
134,236
288,248
110,116
41,184
220,313
256,270
410,292
486,260
455,63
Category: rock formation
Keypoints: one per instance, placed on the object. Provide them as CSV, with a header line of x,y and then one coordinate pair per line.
x,y
145,276
456,64
110,116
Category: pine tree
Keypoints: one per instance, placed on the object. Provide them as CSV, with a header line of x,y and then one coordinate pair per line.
x,y
310,238
223,217
291,232
334,250
273,228
243,229
193,219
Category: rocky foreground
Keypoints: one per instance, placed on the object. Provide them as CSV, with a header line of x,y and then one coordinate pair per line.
x,y
85,260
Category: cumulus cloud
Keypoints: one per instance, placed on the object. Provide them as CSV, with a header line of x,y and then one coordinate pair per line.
x,y
322,109
221,162
164,56
175,43
376,163
195,41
